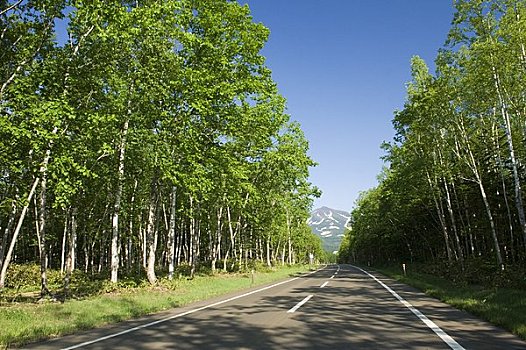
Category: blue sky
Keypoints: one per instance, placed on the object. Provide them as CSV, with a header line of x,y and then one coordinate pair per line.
x,y
342,65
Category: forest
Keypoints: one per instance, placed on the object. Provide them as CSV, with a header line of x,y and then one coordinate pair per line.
x,y
452,192
138,136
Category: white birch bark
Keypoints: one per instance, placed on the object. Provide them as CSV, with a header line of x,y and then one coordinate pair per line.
x,y
9,254
8,228
459,251
117,205
151,235
269,264
472,163
73,243
508,132
70,260
64,239
217,239
289,240
42,223
441,218
171,235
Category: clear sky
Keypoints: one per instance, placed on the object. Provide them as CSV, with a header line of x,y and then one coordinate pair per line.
x,y
342,65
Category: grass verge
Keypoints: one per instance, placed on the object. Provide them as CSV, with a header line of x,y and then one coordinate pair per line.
x,y
21,323
504,307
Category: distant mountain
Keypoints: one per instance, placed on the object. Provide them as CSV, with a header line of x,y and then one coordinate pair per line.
x,y
330,225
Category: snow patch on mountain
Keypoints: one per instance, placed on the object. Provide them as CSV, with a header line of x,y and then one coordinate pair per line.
x,y
330,225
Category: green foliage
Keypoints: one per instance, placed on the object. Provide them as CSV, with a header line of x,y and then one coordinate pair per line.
x,y
27,277
144,102
452,194
477,272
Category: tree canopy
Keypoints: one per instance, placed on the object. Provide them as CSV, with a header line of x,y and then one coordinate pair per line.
x,y
453,187
152,135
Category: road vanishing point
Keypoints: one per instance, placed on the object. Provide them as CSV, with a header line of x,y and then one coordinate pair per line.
x,y
336,307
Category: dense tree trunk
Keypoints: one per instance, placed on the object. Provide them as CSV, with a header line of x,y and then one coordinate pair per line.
x,y
472,163
289,239
508,132
42,216
193,240
458,252
72,242
9,254
500,165
117,203
232,244
151,232
64,241
441,218
269,264
7,230
171,234
216,244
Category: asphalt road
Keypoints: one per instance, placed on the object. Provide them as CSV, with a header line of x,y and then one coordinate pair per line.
x,y
338,307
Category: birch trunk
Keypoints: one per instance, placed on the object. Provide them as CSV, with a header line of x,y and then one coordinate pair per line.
x,y
232,240
73,245
508,132
289,240
474,168
459,252
268,252
130,255
232,234
217,240
151,234
9,254
9,227
179,244
197,244
42,225
171,235
441,218
192,239
64,241
117,204
504,191
70,261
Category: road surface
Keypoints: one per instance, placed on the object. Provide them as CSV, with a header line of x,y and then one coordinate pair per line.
x,y
338,307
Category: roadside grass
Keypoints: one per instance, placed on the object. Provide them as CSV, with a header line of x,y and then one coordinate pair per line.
x,y
23,322
503,307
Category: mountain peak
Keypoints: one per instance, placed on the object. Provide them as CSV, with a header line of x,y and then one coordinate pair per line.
x,y
330,224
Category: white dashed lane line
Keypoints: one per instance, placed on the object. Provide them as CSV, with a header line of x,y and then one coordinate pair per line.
x,y
298,305
446,338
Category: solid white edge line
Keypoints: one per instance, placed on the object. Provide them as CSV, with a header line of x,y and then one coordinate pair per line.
x,y
323,285
446,338
298,305
185,313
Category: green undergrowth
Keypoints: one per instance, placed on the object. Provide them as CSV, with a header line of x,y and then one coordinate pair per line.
x,y
25,319
502,306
